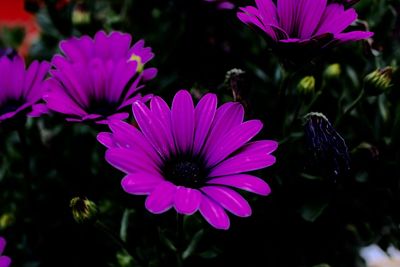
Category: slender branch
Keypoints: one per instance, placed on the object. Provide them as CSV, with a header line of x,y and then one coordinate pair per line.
x,y
351,107
103,228
180,239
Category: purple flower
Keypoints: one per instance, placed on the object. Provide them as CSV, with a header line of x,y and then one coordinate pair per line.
x,y
20,88
97,78
4,260
190,158
8,52
222,4
305,25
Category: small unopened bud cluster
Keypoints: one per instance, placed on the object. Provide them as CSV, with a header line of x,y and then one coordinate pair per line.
x,y
378,81
83,210
306,85
325,143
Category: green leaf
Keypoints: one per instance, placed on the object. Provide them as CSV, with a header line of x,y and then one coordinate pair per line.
x,y
123,232
209,254
166,241
311,211
124,259
191,248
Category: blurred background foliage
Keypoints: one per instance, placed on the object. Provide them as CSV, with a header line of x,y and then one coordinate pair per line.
x,y
313,217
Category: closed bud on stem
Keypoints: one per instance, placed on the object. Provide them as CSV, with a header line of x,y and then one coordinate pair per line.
x,y
306,85
6,220
333,71
80,14
237,82
83,210
378,81
234,80
326,145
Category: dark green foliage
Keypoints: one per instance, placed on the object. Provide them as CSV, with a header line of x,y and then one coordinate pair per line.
x,y
310,219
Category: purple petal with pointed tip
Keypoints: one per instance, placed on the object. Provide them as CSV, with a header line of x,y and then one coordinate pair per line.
x,y
5,261
187,200
245,182
214,214
228,199
140,183
252,156
162,198
182,115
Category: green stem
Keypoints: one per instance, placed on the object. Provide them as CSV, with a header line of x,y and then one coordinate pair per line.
x,y
294,119
103,228
28,177
282,101
351,107
179,238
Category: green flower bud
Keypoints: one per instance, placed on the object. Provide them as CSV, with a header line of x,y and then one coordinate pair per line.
x,y
378,81
236,81
83,210
306,85
333,71
6,220
80,15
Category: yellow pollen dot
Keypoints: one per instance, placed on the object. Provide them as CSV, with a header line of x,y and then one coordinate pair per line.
x,y
138,60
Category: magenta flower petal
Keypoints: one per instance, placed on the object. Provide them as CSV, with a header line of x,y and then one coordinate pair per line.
x,y
161,110
33,84
214,214
245,182
38,110
228,199
77,49
5,261
251,15
59,101
127,136
300,23
204,115
107,140
182,114
226,5
269,12
353,36
310,12
233,140
227,116
154,130
98,76
126,161
287,15
3,243
140,183
335,19
176,153
21,88
187,200
162,198
149,74
118,117
252,156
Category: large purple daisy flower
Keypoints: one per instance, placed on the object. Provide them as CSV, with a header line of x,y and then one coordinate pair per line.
x,y
20,88
4,260
97,78
190,158
308,25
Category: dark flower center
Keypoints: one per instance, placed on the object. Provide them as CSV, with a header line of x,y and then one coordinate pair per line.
x,y
188,172
102,107
10,106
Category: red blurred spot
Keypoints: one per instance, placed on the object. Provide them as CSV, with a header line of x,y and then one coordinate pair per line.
x,y
13,14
